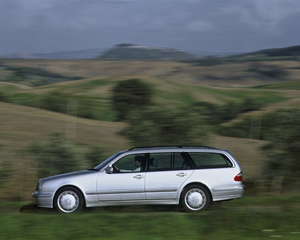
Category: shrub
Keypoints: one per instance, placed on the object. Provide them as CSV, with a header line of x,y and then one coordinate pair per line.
x,y
215,114
55,101
54,156
5,172
95,156
3,97
86,107
81,106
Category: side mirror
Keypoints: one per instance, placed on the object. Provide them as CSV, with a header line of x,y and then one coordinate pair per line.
x,y
109,170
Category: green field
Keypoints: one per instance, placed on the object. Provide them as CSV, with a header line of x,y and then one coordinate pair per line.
x,y
246,218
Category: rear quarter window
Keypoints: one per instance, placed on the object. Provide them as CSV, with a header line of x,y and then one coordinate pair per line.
x,y
209,160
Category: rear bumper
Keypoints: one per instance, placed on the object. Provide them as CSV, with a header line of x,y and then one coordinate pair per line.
x,y
227,192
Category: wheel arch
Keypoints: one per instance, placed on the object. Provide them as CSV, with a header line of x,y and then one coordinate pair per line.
x,y
195,183
70,186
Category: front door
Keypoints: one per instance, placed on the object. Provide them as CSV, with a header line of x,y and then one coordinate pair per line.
x,y
126,183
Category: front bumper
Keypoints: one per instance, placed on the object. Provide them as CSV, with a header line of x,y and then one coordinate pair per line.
x,y
43,199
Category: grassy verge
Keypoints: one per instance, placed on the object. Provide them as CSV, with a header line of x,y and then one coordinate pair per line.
x,y
248,218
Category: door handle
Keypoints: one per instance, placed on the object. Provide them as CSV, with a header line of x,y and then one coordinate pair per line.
x,y
181,174
138,176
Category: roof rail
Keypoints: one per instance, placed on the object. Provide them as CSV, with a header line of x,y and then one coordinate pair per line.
x,y
171,146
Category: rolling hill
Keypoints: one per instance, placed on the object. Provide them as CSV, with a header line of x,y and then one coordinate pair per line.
x,y
173,83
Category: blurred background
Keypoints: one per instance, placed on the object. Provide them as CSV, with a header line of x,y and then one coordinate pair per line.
x,y
81,80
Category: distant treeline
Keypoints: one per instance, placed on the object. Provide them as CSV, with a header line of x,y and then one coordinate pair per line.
x,y
134,52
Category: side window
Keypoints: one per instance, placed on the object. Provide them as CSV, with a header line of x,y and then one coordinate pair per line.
x,y
167,161
160,161
210,160
130,163
180,163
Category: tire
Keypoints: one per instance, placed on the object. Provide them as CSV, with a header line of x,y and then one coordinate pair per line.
x,y
68,200
195,198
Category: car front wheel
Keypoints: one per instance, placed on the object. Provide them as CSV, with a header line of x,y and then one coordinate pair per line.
x,y
68,200
195,198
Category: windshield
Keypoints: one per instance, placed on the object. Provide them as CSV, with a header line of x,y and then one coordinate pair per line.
x,y
101,165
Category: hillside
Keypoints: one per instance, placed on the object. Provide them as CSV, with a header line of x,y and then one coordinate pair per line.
x,y
75,54
292,52
21,126
173,84
279,52
243,74
136,52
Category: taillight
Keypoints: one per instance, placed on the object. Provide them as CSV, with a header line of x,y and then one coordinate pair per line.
x,y
239,177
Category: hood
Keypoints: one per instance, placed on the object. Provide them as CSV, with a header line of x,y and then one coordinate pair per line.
x,y
71,174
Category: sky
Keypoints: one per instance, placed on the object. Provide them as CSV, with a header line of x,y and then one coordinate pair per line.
x,y
45,26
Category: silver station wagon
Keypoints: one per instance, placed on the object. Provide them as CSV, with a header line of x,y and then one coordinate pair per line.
x,y
190,176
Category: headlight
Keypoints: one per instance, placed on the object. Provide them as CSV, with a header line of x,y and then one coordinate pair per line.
x,y
39,185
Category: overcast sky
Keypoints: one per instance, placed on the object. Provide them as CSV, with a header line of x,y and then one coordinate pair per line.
x,y
42,26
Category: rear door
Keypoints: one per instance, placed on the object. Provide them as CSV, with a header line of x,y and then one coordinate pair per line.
x,y
166,172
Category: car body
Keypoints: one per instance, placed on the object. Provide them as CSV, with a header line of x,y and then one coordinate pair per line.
x,y
190,176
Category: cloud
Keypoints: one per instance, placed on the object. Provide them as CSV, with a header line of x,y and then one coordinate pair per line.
x,y
199,26
263,15
276,10
181,24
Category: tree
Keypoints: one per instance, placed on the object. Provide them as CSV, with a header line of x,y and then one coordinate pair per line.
x,y
284,147
130,95
164,126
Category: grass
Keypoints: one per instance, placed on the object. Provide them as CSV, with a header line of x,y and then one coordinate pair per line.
x,y
24,98
292,85
240,219
94,83
261,96
29,124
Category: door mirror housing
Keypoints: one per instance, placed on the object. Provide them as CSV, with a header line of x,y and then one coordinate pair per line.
x,y
109,170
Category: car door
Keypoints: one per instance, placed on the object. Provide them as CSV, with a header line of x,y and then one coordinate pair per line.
x,y
165,174
125,183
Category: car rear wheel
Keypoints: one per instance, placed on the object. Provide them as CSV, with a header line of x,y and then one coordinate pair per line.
x,y
195,198
68,200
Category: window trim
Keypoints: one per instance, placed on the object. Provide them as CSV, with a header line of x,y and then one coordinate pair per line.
x,y
225,157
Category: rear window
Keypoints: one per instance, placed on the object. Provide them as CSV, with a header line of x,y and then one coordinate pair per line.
x,y
210,160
